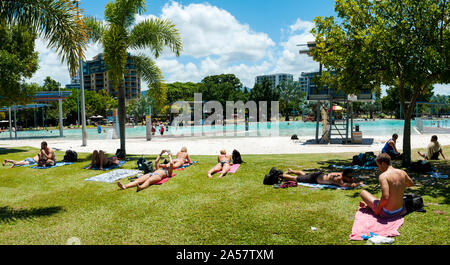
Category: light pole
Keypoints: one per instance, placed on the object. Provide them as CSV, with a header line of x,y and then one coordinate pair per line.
x,y
83,107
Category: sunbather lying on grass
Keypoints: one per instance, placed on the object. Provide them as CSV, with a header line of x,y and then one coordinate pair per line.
x,y
181,159
344,179
100,160
26,162
149,179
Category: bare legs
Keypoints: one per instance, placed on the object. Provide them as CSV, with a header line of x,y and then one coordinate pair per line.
x,y
141,183
14,163
98,159
368,198
219,168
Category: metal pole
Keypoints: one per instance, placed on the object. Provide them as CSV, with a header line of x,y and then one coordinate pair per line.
x,y
83,106
78,103
61,125
15,122
317,122
10,124
346,122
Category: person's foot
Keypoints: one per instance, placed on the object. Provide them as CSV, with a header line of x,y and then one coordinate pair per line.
x,y
100,169
220,176
138,188
290,171
89,167
4,162
121,186
209,175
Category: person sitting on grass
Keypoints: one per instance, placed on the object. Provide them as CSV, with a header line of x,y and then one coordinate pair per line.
x,y
393,183
159,174
433,150
26,162
223,166
344,179
390,148
100,160
46,156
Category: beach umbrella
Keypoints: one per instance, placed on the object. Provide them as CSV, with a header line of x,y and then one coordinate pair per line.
x,y
337,108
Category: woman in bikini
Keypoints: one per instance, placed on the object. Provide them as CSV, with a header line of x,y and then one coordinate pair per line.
x,y
149,179
223,166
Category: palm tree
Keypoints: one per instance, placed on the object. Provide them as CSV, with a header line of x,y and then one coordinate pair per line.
x,y
57,21
120,33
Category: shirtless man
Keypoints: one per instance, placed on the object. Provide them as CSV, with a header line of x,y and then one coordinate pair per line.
x,y
149,179
393,183
46,156
100,160
223,166
344,179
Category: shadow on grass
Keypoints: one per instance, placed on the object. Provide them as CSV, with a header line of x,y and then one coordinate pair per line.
x,y
4,151
8,214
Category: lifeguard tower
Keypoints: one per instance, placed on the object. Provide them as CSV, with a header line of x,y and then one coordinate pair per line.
x,y
336,129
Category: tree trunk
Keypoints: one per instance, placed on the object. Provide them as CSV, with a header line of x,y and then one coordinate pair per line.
x,y
407,139
122,115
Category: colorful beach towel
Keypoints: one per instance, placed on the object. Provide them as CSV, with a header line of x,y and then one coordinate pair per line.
x,y
353,167
114,175
121,163
165,180
183,167
234,168
324,186
58,164
366,224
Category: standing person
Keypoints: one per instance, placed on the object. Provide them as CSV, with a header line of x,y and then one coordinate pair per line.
x,y
393,183
223,166
99,128
391,149
433,150
161,129
149,179
153,129
46,156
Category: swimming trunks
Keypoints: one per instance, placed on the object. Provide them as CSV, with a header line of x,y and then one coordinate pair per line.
x,y
310,178
386,213
223,162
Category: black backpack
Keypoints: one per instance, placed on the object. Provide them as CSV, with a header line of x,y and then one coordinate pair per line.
x,y
413,203
148,167
140,163
120,154
294,137
273,177
70,156
236,156
422,167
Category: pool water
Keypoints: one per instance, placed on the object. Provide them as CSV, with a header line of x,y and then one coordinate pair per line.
x,y
369,128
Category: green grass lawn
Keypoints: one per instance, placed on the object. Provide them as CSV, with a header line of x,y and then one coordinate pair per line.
x,y
49,206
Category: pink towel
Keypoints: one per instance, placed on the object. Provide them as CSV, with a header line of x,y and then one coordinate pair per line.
x,y
164,180
366,222
234,168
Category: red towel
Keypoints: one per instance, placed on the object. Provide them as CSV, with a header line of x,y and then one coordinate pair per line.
x,y
366,222
164,180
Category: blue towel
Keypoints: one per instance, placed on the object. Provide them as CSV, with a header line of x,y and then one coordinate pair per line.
x,y
58,164
121,163
354,167
437,175
114,175
188,165
324,186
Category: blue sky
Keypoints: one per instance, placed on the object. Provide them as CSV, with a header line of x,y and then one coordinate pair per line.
x,y
243,37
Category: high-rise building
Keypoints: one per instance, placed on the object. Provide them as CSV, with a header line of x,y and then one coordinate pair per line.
x,y
275,79
96,78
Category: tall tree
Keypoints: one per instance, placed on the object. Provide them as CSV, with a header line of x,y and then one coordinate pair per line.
x,y
57,21
121,33
51,84
18,61
391,42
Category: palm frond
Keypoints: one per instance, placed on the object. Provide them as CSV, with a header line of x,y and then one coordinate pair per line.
x,y
148,70
155,34
122,12
114,43
95,28
57,21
